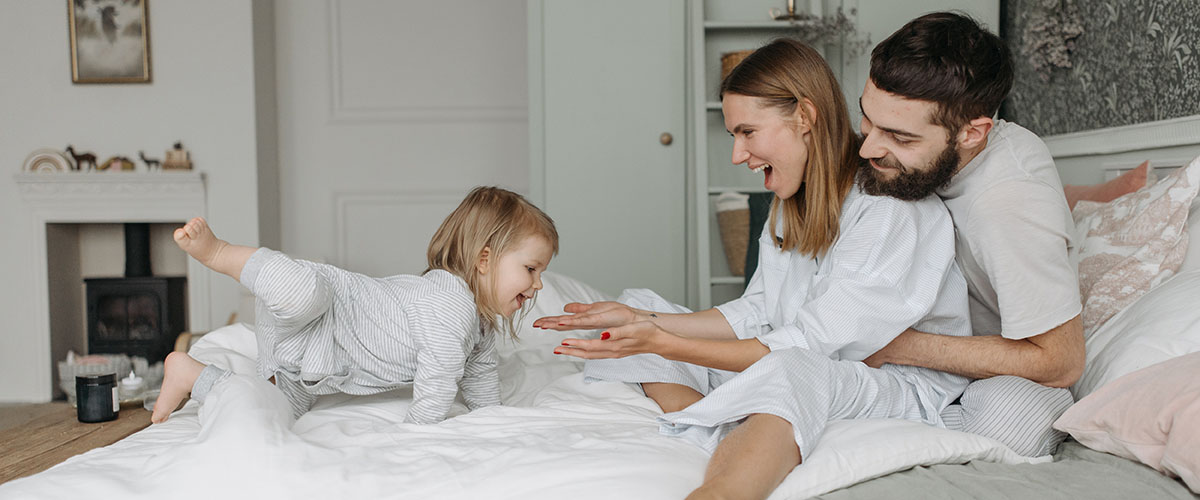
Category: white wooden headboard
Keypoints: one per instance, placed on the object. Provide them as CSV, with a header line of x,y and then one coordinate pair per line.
x,y
1097,155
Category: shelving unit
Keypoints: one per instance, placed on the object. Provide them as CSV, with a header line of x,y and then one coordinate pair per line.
x,y
717,27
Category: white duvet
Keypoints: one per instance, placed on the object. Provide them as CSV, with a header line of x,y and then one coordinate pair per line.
x,y
555,437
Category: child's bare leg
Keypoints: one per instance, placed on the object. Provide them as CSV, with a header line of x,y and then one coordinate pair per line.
x,y
751,461
671,397
198,240
180,372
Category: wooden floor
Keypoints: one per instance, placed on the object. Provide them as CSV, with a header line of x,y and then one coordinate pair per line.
x,y
35,437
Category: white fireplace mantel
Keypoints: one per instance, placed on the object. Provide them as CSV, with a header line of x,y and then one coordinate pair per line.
x,y
117,197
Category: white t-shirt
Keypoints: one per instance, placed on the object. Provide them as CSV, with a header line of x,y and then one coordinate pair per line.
x,y
1013,236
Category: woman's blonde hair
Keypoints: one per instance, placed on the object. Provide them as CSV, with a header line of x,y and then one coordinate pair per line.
x,y
492,218
786,73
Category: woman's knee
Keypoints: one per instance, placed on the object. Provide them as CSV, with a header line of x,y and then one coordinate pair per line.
x,y
671,397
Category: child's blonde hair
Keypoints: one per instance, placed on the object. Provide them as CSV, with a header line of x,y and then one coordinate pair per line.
x,y
492,218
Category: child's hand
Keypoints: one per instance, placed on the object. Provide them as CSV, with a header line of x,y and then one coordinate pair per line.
x,y
590,317
637,338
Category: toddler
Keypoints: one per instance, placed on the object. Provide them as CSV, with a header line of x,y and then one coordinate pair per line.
x,y
325,330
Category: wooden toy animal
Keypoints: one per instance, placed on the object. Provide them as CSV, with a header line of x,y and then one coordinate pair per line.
x,y
82,159
151,163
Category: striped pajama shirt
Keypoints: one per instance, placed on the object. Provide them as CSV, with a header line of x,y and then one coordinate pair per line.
x,y
324,330
891,268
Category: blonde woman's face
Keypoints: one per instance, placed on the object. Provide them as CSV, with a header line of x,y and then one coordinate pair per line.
x,y
768,142
518,273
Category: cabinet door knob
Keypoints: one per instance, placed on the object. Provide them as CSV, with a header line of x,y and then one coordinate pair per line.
x,y
666,139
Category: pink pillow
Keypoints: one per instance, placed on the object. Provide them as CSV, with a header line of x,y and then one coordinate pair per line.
x,y
1132,243
1151,415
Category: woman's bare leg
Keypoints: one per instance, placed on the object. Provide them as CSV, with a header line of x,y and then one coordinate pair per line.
x,y
671,397
180,372
198,240
751,461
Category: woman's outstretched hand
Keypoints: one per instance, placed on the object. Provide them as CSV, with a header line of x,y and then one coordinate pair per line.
x,y
636,338
592,316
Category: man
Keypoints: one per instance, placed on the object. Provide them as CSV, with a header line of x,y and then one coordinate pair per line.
x,y
927,124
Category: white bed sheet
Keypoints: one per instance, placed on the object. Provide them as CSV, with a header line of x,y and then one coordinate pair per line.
x,y
556,437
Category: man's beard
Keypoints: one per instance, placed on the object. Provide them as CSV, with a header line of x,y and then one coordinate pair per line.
x,y
909,184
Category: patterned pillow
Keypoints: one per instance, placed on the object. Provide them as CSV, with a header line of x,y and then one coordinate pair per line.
x,y
1132,243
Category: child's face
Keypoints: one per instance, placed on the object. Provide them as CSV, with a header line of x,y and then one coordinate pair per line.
x,y
518,273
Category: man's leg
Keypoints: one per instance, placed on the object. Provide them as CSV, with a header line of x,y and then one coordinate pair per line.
x,y
751,461
1015,411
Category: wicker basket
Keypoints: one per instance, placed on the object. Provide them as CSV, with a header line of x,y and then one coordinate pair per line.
x,y
733,219
730,60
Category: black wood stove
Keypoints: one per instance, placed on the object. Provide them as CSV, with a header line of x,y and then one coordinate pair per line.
x,y
140,314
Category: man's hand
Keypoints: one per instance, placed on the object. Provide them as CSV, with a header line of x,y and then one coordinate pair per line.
x,y
880,357
592,316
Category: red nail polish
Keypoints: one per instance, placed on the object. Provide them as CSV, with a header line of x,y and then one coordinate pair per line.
x,y
566,344
604,336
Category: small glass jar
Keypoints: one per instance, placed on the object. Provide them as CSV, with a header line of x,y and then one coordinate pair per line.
x,y
96,397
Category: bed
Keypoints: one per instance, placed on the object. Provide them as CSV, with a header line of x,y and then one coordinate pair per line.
x,y
558,437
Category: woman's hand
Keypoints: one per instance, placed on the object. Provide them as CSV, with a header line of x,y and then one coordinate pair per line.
x,y
637,338
592,316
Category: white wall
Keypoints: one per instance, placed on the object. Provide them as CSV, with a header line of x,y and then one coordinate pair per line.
x,y
203,93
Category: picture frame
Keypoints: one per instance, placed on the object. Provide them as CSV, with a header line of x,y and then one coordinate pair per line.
x,y
110,41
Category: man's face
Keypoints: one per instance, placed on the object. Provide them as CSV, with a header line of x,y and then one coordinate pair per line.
x,y
908,155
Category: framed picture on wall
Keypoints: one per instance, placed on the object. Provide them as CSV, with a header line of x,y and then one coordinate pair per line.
x,y
110,41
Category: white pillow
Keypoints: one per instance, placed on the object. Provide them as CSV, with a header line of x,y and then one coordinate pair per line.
x,y
852,451
231,347
1162,324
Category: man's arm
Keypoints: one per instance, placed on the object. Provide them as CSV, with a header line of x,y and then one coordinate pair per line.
x,y
1054,358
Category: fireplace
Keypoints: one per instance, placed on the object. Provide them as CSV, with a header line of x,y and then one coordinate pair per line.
x,y
56,204
139,314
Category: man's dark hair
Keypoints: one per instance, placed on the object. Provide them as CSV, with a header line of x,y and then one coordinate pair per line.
x,y
949,59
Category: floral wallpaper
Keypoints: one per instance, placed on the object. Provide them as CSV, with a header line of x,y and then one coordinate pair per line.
x,y
1088,64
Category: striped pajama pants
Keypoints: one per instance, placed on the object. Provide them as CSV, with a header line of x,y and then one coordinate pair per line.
x,y
1015,411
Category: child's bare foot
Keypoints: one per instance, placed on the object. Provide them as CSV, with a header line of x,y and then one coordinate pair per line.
x,y
180,372
198,240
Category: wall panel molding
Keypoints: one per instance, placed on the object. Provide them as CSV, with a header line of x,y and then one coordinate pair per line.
x,y
431,205
1182,131
343,113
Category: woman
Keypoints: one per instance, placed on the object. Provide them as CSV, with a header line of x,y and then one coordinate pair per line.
x,y
841,273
